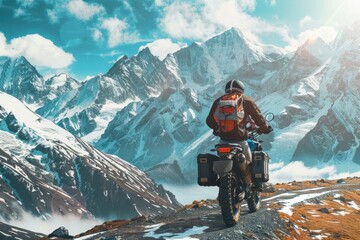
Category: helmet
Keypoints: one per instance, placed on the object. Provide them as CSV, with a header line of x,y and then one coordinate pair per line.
x,y
234,85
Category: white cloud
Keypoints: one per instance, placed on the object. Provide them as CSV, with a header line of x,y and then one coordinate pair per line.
x,y
110,54
24,6
159,3
306,20
271,2
40,52
84,11
162,47
182,20
25,3
327,33
117,33
20,12
248,4
205,18
53,15
97,35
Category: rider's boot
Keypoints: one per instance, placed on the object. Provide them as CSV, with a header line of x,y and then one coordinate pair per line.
x,y
257,185
241,196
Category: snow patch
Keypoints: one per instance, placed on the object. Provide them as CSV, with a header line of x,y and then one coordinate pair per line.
x,y
150,232
288,203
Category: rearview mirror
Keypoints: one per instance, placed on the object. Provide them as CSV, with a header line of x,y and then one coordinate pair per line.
x,y
269,117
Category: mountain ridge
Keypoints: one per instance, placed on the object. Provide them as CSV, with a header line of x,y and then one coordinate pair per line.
x,y
46,170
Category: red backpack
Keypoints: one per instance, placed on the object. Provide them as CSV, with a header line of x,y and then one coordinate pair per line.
x,y
230,116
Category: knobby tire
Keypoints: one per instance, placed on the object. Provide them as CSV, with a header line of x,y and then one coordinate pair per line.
x,y
230,209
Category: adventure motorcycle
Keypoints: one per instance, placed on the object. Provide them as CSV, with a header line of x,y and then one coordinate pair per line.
x,y
224,171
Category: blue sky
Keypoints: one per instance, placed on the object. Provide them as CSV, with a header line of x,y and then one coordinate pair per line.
x,y
84,38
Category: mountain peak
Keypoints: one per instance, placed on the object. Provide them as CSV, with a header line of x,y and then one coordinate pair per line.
x,y
317,47
315,41
344,35
121,59
22,60
230,34
235,30
144,53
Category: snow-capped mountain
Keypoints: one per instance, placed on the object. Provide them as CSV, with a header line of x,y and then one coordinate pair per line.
x,y
300,91
87,110
149,132
335,138
151,112
61,84
20,79
203,64
139,80
46,170
307,59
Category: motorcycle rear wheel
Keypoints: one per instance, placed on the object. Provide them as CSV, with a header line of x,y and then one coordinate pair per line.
x,y
230,208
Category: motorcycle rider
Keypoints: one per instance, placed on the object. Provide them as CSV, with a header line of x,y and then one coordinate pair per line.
x,y
251,113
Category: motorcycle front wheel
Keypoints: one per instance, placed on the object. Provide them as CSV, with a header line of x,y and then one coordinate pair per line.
x,y
230,208
254,201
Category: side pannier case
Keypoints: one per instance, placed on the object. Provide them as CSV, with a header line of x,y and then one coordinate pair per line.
x,y
260,166
206,174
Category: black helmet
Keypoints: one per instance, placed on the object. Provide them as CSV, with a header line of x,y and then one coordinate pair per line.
x,y
234,85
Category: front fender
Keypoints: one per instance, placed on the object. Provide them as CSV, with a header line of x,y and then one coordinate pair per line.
x,y
222,167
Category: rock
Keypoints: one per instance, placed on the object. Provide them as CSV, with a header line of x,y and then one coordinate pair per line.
x,y
61,232
340,181
12,123
268,187
324,210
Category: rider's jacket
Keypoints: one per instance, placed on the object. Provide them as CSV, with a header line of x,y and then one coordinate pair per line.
x,y
251,110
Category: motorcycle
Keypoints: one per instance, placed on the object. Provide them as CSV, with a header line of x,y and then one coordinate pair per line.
x,y
226,174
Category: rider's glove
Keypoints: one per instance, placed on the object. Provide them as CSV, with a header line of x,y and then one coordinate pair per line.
x,y
216,132
265,130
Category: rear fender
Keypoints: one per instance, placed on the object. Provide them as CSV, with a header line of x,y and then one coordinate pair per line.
x,y
223,167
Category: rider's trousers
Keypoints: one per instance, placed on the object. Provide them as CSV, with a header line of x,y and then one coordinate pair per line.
x,y
244,167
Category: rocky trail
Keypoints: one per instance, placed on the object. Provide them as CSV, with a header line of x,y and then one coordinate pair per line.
x,y
297,210
323,209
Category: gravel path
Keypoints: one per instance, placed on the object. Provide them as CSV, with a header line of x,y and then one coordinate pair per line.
x,y
206,222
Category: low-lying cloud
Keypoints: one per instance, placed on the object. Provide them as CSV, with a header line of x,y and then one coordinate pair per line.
x,y
74,224
280,173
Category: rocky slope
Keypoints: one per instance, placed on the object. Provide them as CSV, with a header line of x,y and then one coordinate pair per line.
x,y
296,91
323,209
335,138
181,113
8,232
155,129
60,84
46,170
151,112
86,111
20,79
168,173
